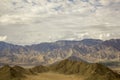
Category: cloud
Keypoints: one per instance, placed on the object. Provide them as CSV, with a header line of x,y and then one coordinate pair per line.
x,y
3,38
30,11
34,21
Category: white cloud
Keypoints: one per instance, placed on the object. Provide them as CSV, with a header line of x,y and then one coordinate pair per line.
x,y
30,11
3,38
29,21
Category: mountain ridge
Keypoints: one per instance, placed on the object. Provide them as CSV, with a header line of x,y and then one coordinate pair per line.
x,y
91,71
47,53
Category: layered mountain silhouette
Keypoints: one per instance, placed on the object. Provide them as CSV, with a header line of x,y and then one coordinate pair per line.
x,y
69,66
91,50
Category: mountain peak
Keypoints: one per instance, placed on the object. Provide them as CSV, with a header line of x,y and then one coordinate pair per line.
x,y
91,71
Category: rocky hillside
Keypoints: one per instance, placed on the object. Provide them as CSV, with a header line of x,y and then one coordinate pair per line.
x,y
91,50
91,71
12,73
69,66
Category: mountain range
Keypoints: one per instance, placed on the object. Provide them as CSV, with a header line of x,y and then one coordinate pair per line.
x,y
90,50
69,66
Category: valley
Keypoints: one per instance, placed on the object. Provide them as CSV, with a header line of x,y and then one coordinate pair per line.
x,y
53,76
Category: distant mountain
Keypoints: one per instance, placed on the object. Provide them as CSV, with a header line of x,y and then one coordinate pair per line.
x,y
115,43
89,50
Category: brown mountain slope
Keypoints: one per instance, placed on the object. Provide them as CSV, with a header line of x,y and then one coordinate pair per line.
x,y
39,69
89,70
8,73
13,73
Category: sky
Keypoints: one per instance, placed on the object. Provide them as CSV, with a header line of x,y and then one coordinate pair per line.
x,y
35,21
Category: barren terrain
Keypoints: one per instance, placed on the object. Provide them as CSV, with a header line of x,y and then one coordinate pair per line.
x,y
53,76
